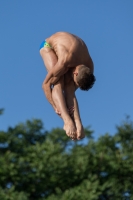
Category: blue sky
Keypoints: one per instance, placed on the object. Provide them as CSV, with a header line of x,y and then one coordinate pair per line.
x,y
107,29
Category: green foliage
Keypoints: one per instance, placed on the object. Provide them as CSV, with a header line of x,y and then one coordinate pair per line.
x,y
37,165
11,194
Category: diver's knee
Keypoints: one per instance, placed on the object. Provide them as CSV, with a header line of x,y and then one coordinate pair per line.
x,y
59,83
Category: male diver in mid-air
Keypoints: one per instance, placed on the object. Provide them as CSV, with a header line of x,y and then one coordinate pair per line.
x,y
69,67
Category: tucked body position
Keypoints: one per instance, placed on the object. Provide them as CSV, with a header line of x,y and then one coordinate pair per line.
x,y
70,66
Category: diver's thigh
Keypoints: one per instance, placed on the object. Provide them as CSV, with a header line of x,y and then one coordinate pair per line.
x,y
49,58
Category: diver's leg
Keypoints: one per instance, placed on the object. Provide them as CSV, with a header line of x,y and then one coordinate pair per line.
x,y
73,108
50,59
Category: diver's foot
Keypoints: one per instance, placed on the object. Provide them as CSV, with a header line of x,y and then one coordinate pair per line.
x,y
70,129
80,131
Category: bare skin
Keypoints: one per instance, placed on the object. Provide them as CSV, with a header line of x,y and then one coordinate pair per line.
x,y
68,53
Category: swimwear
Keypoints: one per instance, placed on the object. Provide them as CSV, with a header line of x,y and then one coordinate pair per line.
x,y
45,44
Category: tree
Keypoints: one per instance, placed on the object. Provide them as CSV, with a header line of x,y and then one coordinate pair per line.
x,y
36,164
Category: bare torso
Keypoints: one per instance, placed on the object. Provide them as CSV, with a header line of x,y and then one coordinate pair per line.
x,y
71,46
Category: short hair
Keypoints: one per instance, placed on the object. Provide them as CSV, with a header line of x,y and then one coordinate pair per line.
x,y
85,79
